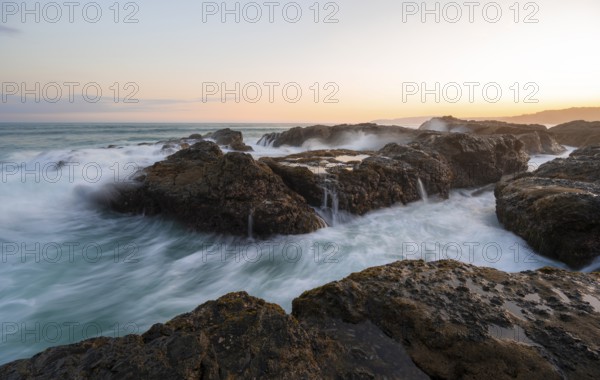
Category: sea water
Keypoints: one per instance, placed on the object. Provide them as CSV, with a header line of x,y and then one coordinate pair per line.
x,y
70,270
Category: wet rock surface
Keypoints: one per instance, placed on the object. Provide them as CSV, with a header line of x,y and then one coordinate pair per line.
x,y
476,160
338,135
405,320
229,139
434,163
458,321
577,133
359,182
557,207
211,191
535,137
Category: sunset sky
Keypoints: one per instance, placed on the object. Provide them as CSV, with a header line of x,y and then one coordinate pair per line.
x,y
374,60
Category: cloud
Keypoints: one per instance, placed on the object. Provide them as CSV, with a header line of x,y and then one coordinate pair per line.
x,y
8,30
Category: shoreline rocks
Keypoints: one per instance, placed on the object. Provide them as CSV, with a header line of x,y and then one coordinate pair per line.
x,y
535,137
556,209
577,133
338,135
211,191
232,193
408,319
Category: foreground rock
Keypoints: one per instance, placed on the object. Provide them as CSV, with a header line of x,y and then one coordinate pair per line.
x,y
557,207
212,191
406,320
535,137
577,133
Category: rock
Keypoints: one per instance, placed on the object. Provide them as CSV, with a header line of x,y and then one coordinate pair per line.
x,y
577,133
476,160
237,336
459,321
211,191
338,135
230,139
535,137
557,207
405,320
359,182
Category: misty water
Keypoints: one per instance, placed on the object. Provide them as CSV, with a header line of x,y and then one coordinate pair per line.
x,y
70,270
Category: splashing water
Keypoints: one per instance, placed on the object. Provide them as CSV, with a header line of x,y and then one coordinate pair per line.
x,y
422,191
120,274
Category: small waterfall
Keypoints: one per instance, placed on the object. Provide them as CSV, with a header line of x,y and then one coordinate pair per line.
x,y
251,224
422,191
331,214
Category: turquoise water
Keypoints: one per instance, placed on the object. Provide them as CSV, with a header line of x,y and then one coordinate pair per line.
x,y
70,271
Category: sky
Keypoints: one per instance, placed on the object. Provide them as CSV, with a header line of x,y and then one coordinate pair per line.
x,y
306,61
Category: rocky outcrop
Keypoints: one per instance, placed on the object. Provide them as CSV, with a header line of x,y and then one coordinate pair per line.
x,y
359,182
458,321
406,320
476,160
337,135
557,207
577,133
211,191
535,137
229,139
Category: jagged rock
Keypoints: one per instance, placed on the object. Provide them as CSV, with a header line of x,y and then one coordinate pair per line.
x,y
237,336
363,181
405,320
338,135
535,137
557,207
459,321
476,160
230,139
212,191
577,133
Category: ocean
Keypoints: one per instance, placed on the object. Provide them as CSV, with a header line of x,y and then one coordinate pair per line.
x,y
70,270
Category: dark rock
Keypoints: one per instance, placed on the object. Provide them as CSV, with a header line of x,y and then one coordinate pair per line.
x,y
210,191
237,336
363,181
338,135
577,133
467,322
476,160
230,139
535,137
557,207
473,333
